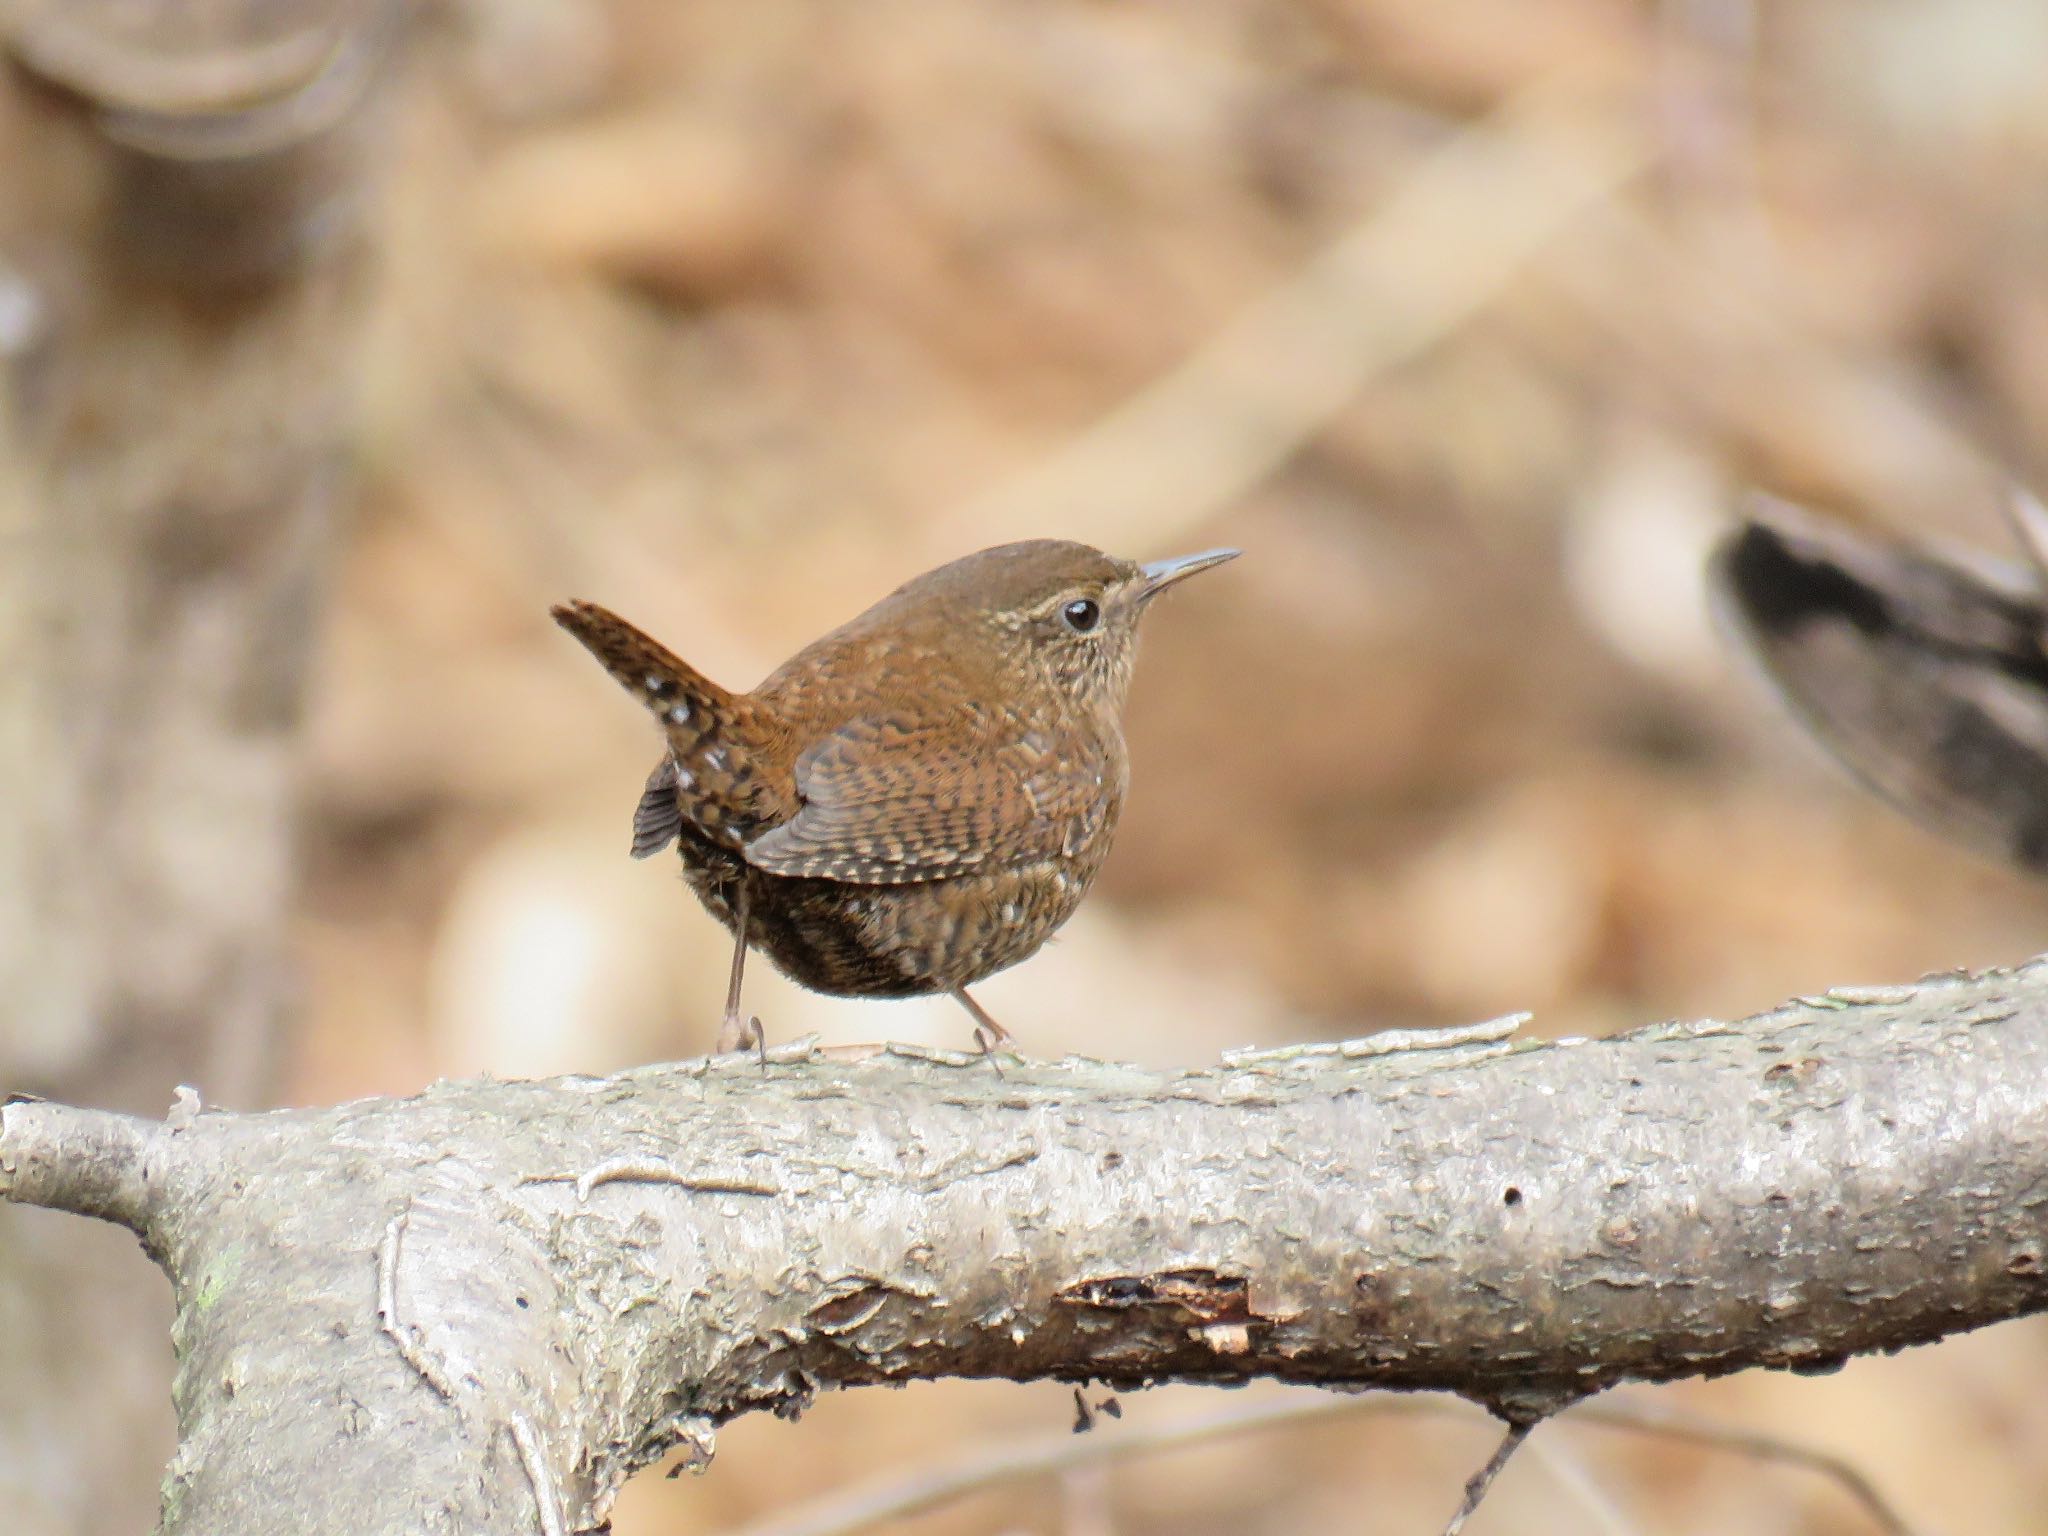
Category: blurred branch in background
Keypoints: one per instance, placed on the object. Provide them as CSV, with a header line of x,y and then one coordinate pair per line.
x,y
904,1495
1466,218
1724,348
183,287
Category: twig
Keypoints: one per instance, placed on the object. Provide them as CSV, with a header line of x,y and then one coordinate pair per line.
x,y
1570,1474
1481,1482
545,1498
1419,265
647,1170
86,1161
1388,1042
897,1498
1708,333
927,1488
401,1334
1745,1442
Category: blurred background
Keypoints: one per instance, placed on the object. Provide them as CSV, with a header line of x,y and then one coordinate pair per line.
x,y
1469,322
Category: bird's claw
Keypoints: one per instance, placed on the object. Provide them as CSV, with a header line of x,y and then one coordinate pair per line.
x,y
737,1033
988,1039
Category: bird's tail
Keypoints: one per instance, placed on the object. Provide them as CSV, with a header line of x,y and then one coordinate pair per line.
x,y
715,737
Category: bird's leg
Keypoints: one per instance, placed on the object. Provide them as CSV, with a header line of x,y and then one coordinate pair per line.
x,y
988,1034
737,1033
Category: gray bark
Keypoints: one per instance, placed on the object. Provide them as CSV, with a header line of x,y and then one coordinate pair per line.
x,y
479,1310
178,297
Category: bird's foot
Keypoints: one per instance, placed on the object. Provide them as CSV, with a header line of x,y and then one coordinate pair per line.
x,y
993,1032
988,1034
738,1032
989,1039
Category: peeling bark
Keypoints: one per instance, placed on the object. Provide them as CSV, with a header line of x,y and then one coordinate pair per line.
x,y
482,1308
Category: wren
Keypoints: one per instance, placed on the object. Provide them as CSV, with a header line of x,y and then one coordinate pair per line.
x,y
918,799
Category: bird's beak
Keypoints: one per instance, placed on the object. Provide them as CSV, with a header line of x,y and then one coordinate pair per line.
x,y
1161,574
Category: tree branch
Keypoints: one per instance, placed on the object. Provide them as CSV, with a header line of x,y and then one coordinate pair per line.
x,y
495,1301
85,1161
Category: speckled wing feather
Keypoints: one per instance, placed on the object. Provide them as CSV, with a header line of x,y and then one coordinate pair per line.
x,y
886,802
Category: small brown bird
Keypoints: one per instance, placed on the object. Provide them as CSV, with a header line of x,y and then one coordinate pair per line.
x,y
916,800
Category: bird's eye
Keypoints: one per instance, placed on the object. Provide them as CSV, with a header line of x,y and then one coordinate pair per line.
x,y
1082,614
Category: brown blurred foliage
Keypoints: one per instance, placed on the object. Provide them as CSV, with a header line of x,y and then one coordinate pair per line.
x,y
733,316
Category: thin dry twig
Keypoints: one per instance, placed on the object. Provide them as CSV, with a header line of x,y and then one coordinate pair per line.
x,y
1575,1478
1725,343
928,1488
402,1334
547,1503
897,1498
1747,1442
1481,1482
1408,274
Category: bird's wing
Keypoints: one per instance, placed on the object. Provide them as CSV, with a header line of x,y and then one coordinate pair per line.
x,y
889,800
658,819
